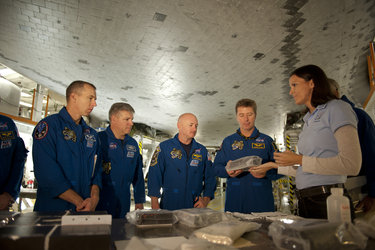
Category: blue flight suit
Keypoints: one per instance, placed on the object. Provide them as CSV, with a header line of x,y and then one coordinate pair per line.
x,y
64,155
182,177
245,193
366,135
122,166
12,157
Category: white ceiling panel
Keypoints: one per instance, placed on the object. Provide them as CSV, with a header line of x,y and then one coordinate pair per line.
x,y
166,57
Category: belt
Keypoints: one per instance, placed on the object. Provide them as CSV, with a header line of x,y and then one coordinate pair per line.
x,y
317,190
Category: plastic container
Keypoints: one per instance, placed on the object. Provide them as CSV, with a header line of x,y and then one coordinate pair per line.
x,y
338,206
198,217
316,234
244,163
151,217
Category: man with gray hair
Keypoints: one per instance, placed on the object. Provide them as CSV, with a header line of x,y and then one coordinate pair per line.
x,y
122,163
366,135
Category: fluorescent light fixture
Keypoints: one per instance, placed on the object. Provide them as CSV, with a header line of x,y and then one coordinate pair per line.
x,y
6,72
23,94
26,104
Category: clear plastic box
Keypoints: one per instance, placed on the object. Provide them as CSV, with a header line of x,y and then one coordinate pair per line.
x,y
151,217
198,217
244,163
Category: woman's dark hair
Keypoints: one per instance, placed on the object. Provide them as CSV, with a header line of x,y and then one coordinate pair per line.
x,y
321,93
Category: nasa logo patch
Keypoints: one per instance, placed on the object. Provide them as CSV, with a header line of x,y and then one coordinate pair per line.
x,y
41,130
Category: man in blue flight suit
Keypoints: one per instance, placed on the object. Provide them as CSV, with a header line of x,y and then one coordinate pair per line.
x,y
247,192
12,161
366,135
180,166
65,149
122,164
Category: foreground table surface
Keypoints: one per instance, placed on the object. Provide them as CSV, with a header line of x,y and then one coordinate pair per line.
x,y
44,231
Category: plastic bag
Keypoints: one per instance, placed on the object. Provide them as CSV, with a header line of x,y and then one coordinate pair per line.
x,y
225,232
198,217
349,235
244,163
151,217
310,234
366,227
200,244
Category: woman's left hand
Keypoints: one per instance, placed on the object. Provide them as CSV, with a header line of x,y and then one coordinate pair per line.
x,y
287,158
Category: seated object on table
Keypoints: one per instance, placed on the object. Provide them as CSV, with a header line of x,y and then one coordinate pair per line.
x,y
198,217
310,234
226,232
151,217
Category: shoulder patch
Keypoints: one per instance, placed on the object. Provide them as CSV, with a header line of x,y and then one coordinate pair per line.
x,y
41,130
155,156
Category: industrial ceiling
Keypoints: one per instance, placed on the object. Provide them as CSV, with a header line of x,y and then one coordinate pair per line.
x,y
167,57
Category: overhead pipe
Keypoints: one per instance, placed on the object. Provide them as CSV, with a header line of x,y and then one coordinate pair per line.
x,y
46,112
32,106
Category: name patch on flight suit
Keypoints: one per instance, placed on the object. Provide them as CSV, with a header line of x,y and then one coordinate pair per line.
x,y
131,148
258,145
41,130
90,138
130,154
6,144
237,145
107,167
69,135
176,153
3,125
7,135
194,163
154,159
196,156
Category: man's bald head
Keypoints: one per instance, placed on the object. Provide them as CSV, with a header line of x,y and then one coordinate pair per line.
x,y
187,125
186,116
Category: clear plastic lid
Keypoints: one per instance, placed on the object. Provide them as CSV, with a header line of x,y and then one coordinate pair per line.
x,y
244,163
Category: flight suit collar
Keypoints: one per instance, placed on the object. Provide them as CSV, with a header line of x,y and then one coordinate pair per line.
x,y
112,135
177,142
66,116
253,135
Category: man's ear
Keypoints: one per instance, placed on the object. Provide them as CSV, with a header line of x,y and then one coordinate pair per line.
x,y
73,97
